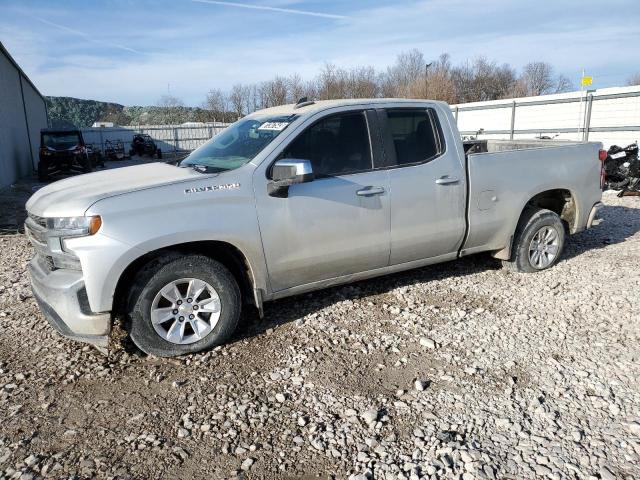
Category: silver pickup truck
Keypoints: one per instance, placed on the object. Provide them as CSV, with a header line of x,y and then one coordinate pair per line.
x,y
292,199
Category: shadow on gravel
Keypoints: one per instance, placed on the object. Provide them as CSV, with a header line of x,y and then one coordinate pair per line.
x,y
619,224
287,310
281,312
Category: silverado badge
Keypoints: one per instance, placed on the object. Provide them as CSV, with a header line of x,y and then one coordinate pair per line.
x,y
211,188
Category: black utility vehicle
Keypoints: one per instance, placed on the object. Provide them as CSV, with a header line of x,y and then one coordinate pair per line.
x,y
143,144
62,151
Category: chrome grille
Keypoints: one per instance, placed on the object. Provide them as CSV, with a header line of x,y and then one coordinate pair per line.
x,y
36,232
36,229
38,220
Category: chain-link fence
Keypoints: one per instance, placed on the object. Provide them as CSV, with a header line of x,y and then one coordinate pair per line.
x,y
169,138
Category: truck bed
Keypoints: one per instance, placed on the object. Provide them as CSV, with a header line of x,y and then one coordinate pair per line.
x,y
509,173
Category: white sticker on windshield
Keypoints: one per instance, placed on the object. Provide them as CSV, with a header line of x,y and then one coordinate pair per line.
x,y
277,126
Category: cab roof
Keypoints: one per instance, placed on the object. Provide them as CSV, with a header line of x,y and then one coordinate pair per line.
x,y
319,105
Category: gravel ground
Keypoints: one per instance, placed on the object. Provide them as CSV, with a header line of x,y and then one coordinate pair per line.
x,y
460,371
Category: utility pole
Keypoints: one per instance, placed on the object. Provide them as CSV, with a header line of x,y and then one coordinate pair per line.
x,y
426,79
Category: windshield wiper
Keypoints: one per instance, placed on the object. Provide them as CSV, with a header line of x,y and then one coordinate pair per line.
x,y
205,168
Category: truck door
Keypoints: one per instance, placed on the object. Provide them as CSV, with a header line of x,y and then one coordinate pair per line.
x,y
427,182
337,224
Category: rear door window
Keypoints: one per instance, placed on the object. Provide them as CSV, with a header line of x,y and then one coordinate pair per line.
x,y
336,145
413,136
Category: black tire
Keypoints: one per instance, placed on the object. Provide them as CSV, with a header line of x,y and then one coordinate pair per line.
x,y
533,221
157,275
86,164
43,171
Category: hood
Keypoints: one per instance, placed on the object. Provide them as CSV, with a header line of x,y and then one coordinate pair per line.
x,y
72,196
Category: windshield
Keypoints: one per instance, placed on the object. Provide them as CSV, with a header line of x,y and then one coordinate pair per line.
x,y
60,140
239,143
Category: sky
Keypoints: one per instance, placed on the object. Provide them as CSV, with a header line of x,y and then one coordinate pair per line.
x,y
134,51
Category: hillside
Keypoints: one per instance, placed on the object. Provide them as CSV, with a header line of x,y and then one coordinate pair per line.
x,y
69,111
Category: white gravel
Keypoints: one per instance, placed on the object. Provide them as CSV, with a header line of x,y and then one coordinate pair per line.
x,y
460,371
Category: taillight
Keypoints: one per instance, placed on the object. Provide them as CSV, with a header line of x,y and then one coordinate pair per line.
x,y
602,155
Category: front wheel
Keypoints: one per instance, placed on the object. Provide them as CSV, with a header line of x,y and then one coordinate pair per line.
x,y
538,242
183,304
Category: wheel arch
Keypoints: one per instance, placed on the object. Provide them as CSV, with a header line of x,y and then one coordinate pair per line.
x,y
227,254
562,201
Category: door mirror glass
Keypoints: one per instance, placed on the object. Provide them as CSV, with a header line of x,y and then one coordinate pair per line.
x,y
287,172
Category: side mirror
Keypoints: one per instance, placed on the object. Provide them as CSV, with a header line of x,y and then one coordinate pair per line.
x,y
287,172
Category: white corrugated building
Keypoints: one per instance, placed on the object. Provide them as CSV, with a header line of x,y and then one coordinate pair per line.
x,y
607,115
23,113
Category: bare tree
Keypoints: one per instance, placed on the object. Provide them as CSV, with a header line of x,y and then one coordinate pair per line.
x,y
563,84
439,84
362,82
274,92
483,80
404,76
331,82
295,88
253,98
634,79
239,99
217,103
477,80
538,78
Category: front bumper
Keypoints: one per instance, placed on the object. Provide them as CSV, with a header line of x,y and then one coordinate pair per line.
x,y
62,298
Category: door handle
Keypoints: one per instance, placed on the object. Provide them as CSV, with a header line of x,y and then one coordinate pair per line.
x,y
369,191
446,180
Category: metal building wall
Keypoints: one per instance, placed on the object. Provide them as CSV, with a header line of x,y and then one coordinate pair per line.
x,y
36,114
22,114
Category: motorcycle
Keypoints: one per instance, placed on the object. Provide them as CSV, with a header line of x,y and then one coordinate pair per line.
x,y
622,169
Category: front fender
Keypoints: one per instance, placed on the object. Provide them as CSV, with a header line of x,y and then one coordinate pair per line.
x,y
141,222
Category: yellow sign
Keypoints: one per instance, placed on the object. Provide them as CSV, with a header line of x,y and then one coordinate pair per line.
x,y
586,81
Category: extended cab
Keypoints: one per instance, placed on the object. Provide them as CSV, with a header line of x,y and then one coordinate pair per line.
x,y
292,199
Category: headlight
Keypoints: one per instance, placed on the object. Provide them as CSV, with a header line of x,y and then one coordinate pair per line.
x,y
74,226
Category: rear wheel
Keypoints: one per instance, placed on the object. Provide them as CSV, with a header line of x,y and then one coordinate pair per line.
x,y
538,242
183,304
